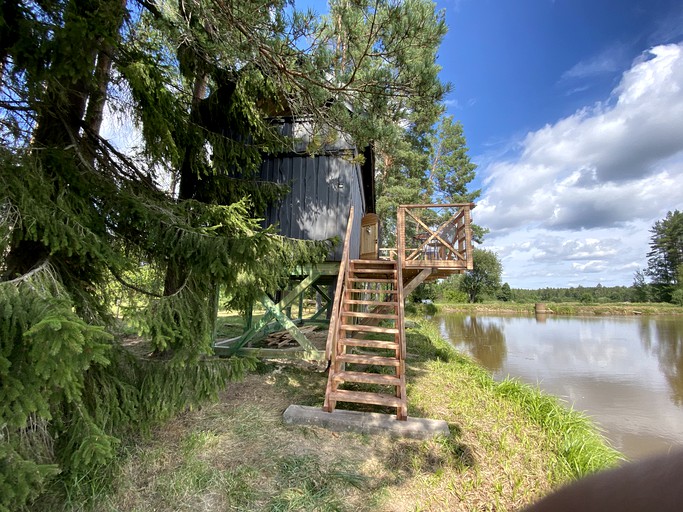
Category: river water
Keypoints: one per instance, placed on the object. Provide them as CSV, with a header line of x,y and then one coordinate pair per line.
x,y
624,372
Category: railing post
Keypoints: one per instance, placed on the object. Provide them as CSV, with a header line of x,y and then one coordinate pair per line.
x,y
468,238
401,234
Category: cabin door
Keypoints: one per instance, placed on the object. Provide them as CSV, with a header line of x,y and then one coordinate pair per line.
x,y
369,237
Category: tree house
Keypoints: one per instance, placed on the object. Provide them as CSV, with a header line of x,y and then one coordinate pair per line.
x,y
362,287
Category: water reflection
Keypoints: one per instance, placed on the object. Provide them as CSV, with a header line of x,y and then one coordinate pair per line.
x,y
664,339
484,340
626,372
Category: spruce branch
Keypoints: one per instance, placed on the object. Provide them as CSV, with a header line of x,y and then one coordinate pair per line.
x,y
146,292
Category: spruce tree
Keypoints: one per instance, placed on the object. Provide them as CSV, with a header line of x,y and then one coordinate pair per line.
x,y
82,219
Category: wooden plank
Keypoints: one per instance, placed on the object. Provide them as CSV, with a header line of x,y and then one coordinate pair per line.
x,y
251,333
360,397
363,314
370,328
326,268
468,239
282,353
446,264
373,271
365,359
321,292
371,302
369,378
434,234
369,279
402,410
360,342
371,291
379,263
295,292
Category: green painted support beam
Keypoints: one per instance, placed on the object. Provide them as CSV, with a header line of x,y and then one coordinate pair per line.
x,y
317,289
275,317
284,320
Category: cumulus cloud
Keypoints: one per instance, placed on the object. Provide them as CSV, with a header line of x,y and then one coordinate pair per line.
x,y
603,165
585,189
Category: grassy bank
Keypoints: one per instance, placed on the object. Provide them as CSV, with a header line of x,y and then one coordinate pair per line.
x,y
508,445
568,308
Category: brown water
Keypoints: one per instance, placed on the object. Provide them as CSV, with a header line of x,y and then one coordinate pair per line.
x,y
625,372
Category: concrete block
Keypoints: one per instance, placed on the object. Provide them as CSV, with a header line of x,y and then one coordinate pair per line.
x,y
365,422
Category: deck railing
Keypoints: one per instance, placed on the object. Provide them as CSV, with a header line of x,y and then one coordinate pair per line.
x,y
431,235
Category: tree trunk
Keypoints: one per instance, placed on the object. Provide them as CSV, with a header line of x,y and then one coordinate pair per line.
x,y
61,111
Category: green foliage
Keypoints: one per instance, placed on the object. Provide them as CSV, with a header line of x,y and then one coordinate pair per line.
x,y
505,293
484,278
424,165
68,393
448,290
424,292
201,82
641,290
666,255
450,167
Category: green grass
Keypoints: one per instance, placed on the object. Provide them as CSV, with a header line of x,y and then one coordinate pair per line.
x,y
576,443
509,443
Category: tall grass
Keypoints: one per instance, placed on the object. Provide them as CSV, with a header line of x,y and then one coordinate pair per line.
x,y
577,443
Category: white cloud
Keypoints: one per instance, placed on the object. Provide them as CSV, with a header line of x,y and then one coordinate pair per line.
x,y
578,199
608,61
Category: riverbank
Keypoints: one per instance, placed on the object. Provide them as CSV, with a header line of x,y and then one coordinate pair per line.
x,y
566,308
509,444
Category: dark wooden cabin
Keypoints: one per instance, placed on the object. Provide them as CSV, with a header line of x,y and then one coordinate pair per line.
x,y
323,188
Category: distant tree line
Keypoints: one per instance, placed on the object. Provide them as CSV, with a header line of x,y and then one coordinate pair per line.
x,y
451,290
598,293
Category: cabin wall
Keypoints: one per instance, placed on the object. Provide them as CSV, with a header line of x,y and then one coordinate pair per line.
x,y
323,188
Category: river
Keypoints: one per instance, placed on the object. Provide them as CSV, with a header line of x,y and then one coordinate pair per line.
x,y
624,372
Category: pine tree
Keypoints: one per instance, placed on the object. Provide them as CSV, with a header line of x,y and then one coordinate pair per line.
x,y
666,255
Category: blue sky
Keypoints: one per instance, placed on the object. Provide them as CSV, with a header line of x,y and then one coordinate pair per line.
x,y
573,110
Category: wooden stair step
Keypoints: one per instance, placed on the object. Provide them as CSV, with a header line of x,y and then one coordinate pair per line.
x,y
368,378
360,290
361,397
371,280
360,342
370,328
365,359
362,314
385,263
371,303
388,272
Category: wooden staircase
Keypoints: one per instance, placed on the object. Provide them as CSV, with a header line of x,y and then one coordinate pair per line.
x,y
367,354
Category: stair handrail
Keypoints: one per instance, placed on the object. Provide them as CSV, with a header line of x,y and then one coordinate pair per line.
x,y
335,319
400,263
400,321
